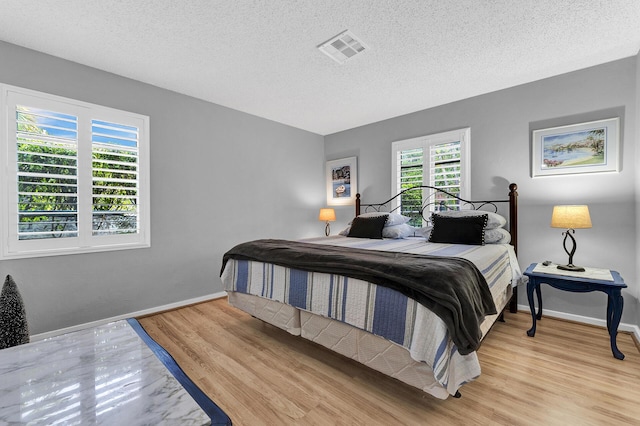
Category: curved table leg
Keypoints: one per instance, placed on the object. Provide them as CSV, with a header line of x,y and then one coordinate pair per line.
x,y
609,311
614,313
539,294
531,286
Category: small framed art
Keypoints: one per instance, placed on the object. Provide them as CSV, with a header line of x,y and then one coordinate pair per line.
x,y
578,148
342,181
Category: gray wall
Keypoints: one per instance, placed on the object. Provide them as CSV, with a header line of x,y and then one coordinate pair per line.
x,y
637,169
501,123
218,177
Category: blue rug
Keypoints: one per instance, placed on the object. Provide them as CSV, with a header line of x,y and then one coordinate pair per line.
x,y
218,417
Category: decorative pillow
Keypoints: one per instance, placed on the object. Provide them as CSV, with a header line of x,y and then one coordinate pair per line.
x,y
14,330
393,219
497,236
398,231
458,230
367,227
425,231
494,219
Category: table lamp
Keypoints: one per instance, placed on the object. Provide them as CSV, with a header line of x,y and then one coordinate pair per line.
x,y
570,218
327,215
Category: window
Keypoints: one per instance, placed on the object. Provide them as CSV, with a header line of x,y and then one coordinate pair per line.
x,y
77,176
439,160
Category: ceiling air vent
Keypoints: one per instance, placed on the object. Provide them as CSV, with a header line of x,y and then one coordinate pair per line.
x,y
342,47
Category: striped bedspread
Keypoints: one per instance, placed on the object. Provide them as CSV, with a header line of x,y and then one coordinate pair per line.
x,y
376,309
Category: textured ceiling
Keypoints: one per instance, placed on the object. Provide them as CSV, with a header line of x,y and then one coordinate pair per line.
x,y
260,56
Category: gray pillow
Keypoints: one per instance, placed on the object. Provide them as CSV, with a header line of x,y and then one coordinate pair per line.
x,y
13,319
497,236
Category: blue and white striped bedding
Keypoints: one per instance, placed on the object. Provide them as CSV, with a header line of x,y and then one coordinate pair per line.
x,y
376,309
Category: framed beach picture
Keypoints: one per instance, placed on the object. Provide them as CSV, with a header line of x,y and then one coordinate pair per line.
x,y
342,181
578,148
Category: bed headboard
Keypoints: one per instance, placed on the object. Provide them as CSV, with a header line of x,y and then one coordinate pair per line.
x,y
432,196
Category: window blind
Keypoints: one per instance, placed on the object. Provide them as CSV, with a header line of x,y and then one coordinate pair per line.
x,y
436,160
411,174
47,177
445,169
115,183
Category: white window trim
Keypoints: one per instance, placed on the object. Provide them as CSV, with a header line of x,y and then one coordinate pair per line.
x,y
425,142
10,246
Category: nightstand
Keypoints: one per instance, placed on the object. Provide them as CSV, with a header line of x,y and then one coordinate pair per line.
x,y
607,281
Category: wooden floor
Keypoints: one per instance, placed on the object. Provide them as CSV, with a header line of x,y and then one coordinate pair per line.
x,y
260,375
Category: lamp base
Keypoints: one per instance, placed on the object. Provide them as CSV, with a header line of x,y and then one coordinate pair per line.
x,y
571,267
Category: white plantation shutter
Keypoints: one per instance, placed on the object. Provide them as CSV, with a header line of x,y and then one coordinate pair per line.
x,y
411,161
411,166
47,174
437,160
75,178
115,182
445,171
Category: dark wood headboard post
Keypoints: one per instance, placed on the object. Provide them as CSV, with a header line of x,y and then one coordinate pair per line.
x,y
513,229
358,204
513,215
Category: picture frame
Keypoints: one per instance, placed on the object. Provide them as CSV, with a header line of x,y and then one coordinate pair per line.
x,y
589,147
342,181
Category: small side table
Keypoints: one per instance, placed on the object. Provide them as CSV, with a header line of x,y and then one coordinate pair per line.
x,y
578,284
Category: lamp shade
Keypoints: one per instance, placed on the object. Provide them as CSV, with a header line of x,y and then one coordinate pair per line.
x,y
571,217
327,215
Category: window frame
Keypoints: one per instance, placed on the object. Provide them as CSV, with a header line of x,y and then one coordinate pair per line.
x,y
425,143
85,242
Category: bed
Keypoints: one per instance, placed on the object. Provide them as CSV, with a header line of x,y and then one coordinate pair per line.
x,y
362,294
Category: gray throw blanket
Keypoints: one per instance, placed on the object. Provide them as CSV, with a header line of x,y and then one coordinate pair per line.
x,y
453,288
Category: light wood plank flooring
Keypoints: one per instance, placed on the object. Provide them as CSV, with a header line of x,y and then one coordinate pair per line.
x,y
261,375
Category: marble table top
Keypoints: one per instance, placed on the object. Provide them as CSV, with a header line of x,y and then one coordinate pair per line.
x,y
103,375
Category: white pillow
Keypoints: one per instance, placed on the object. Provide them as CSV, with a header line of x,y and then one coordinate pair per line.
x,y
398,231
425,231
497,236
494,219
392,220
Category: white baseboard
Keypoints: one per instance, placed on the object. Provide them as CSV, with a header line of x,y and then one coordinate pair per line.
x,y
631,328
41,336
